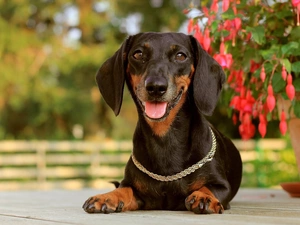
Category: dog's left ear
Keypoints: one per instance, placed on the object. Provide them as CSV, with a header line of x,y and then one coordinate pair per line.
x,y
111,77
208,79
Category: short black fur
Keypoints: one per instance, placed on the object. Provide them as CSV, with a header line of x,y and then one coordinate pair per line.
x,y
187,139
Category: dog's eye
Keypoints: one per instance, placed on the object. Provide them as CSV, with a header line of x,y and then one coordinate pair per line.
x,y
180,56
138,55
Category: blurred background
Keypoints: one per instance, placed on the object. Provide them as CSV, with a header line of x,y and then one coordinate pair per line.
x,y
50,53
56,130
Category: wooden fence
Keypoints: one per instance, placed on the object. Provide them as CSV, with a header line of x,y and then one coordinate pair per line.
x,y
77,164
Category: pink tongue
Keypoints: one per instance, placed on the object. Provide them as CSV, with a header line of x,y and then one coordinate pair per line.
x,y
155,110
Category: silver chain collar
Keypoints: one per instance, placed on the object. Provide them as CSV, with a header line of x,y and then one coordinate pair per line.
x,y
191,169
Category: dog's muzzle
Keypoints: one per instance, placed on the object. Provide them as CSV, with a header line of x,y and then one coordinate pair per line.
x,y
159,110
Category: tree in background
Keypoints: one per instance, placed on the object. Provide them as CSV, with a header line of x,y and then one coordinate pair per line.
x,y
50,52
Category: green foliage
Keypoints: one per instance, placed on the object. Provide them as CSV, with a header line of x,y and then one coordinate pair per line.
x,y
270,168
257,43
258,34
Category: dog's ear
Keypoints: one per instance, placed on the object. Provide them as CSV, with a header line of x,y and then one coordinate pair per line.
x,y
208,79
111,77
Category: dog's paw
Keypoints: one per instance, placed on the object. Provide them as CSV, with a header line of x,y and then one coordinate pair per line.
x,y
121,199
102,204
203,203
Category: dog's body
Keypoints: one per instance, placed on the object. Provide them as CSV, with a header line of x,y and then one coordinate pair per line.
x,y
173,82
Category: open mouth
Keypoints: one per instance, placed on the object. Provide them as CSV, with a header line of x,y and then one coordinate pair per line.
x,y
158,110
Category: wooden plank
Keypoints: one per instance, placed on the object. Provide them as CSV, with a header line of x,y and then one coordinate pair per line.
x,y
264,144
18,173
12,146
70,184
18,159
59,172
248,156
70,172
68,159
107,171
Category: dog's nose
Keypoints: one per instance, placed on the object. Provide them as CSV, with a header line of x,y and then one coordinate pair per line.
x,y
156,86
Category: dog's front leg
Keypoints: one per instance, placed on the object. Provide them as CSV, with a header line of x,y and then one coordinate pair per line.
x,y
203,201
118,200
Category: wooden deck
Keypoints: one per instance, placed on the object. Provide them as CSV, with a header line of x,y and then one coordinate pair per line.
x,y
251,206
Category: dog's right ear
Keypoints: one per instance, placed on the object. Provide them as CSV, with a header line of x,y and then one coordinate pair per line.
x,y
110,77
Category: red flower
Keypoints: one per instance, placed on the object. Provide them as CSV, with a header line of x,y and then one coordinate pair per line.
x,y
282,124
283,73
214,6
224,60
296,4
290,89
233,26
246,129
254,66
198,34
235,79
270,98
190,25
262,129
263,74
225,5
238,23
206,40
234,119
244,104
262,126
222,48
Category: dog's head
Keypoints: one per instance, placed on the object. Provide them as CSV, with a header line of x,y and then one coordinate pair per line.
x,y
161,70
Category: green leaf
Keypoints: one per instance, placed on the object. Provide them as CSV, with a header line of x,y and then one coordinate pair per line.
x,y
278,83
269,117
214,26
296,67
268,53
287,64
296,84
289,48
297,109
268,67
258,34
229,14
295,33
280,14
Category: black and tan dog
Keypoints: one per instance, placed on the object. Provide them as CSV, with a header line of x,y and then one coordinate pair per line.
x,y
179,160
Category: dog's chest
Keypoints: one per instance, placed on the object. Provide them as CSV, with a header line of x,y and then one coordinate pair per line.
x,y
165,195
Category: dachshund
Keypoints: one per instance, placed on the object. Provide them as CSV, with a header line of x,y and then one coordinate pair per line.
x,y
179,160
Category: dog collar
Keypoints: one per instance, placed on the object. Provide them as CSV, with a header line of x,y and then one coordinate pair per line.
x,y
209,157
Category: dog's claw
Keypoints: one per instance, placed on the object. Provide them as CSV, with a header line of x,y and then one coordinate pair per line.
x,y
190,203
201,204
221,209
104,208
120,206
89,208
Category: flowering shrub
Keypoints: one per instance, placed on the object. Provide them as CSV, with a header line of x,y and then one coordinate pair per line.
x,y
258,46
